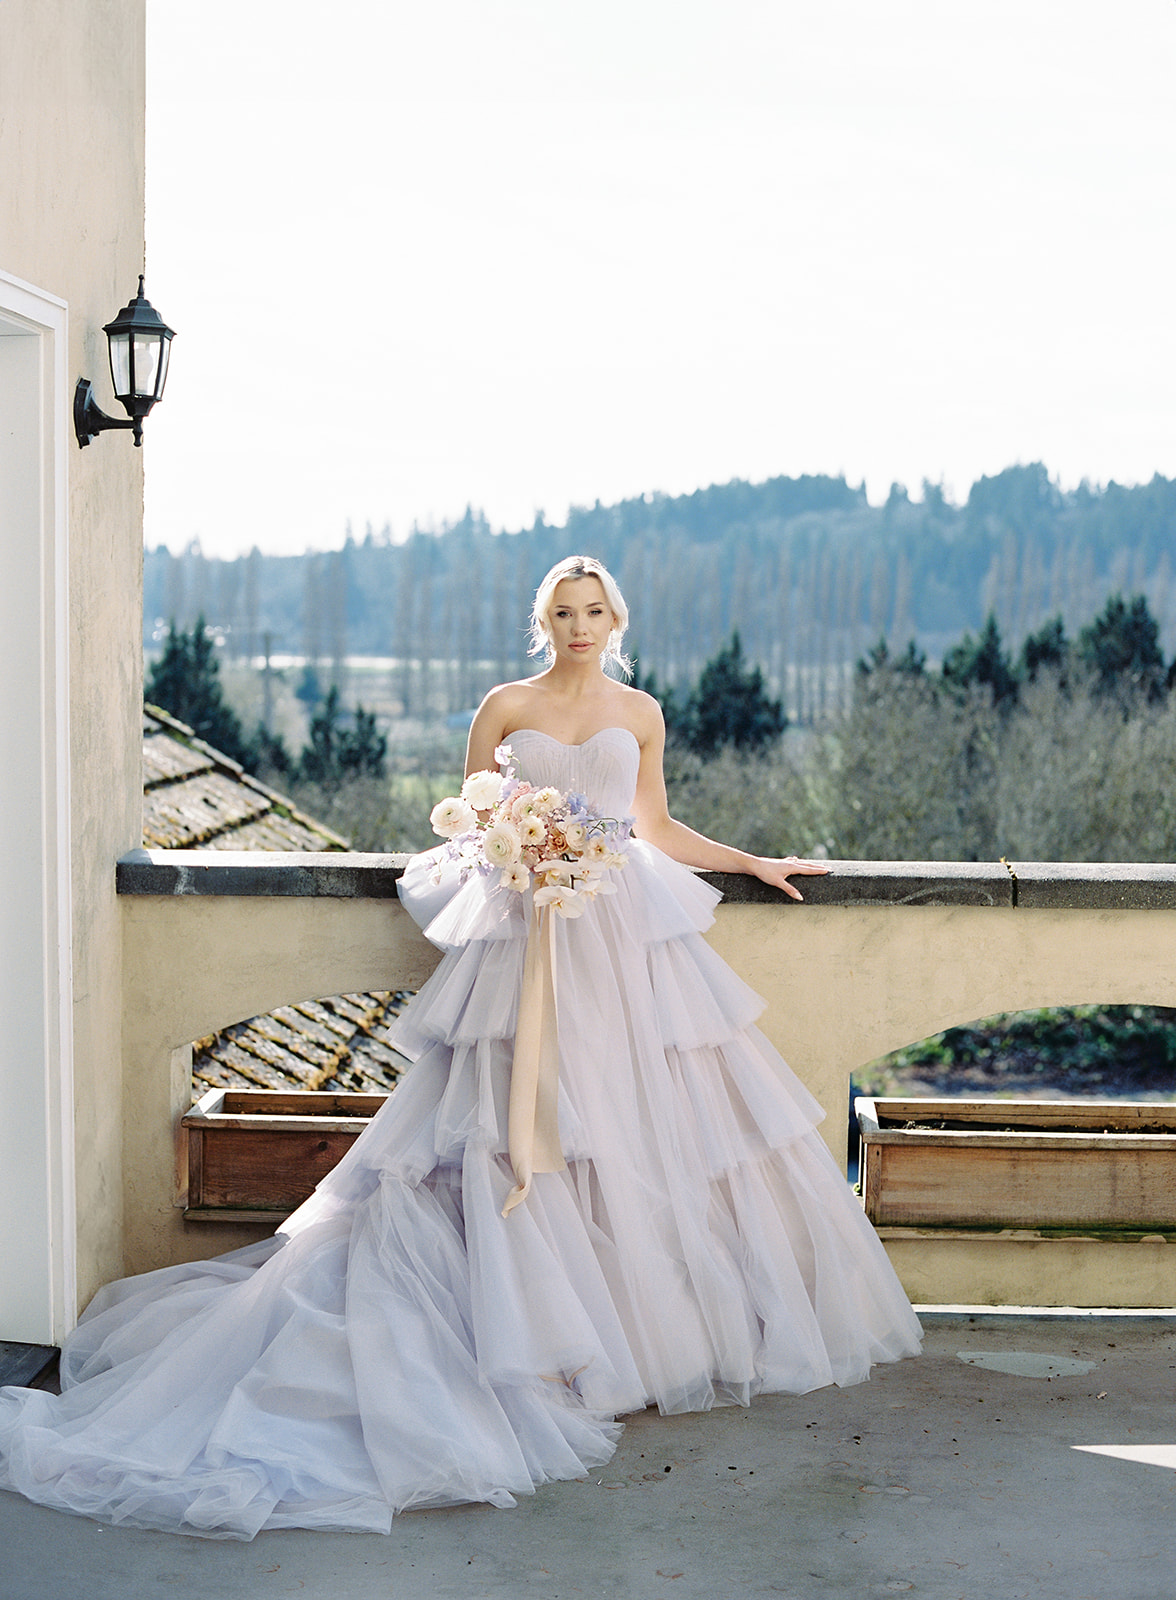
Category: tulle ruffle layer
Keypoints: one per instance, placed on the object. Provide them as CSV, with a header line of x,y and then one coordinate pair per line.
x,y
414,1349
401,1344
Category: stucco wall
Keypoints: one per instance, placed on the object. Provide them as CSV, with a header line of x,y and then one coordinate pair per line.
x,y
843,982
71,223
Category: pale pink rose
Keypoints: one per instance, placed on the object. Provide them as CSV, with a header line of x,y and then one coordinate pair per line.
x,y
452,816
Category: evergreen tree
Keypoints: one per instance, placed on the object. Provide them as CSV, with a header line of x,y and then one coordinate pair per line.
x,y
365,749
730,705
982,661
878,659
185,681
1047,648
1122,648
337,752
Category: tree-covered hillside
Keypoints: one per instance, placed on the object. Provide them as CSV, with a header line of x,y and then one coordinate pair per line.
x,y
805,569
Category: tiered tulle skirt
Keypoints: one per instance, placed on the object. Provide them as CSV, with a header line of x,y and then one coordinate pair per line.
x,y
402,1344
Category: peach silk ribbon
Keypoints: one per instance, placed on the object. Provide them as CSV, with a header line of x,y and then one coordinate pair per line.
x,y
532,1119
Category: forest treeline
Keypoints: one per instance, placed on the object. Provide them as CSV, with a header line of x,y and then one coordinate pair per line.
x,y
805,569
1062,751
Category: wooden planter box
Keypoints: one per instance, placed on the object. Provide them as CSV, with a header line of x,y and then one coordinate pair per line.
x,y
256,1153
1019,1164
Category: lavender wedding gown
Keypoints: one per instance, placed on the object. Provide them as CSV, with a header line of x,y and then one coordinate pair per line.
x,y
402,1344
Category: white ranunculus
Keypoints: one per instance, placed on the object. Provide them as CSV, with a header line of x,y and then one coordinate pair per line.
x,y
501,844
546,800
576,834
452,816
483,790
515,877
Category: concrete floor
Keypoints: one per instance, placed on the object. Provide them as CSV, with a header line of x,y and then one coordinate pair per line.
x,y
943,1478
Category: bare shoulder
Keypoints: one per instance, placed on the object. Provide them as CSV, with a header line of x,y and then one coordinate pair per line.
x,y
505,700
643,714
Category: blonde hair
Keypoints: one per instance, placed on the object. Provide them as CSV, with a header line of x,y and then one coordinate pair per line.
x,y
580,567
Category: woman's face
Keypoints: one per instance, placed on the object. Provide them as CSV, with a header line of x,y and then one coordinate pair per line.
x,y
580,620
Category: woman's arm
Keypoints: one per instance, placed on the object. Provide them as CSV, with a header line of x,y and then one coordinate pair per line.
x,y
655,825
487,731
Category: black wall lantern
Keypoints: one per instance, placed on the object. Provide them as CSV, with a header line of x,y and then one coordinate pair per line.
x,y
140,342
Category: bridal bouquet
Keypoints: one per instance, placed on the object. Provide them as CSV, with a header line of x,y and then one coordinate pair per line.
x,y
531,836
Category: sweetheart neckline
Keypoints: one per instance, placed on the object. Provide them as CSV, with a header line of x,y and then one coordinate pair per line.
x,y
564,745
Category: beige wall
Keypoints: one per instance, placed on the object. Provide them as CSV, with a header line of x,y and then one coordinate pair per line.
x,y
843,984
240,958
850,983
71,224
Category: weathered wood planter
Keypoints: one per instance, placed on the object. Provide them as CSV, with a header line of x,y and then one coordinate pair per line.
x,y
255,1153
1019,1164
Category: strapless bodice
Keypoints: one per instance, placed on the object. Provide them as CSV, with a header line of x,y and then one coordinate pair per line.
x,y
603,769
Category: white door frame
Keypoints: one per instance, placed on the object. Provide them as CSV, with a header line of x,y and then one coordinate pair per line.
x,y
38,1259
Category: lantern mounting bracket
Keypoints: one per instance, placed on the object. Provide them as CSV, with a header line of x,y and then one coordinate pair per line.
x,y
139,344
90,420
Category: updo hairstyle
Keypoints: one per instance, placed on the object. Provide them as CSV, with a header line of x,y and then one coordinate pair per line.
x,y
580,567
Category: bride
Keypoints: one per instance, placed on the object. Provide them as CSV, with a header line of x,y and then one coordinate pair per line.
x,y
473,1296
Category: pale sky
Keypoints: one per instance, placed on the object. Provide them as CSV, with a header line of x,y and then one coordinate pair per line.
x,y
527,253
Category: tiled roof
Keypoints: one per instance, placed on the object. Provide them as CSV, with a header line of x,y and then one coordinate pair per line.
x,y
195,798
336,1044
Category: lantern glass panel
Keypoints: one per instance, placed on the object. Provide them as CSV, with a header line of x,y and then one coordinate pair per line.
x,y
146,364
164,357
120,362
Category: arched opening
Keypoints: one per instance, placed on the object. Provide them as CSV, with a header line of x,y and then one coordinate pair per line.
x,y
1080,1052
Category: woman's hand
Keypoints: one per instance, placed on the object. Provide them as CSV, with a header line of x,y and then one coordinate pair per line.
x,y
777,872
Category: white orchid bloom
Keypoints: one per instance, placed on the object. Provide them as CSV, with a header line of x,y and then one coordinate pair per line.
x,y
562,898
554,871
591,884
515,877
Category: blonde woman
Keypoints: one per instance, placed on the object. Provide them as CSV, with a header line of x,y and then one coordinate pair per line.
x,y
598,1187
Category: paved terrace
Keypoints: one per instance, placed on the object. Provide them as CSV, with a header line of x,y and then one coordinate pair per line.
x,y
1024,1454
960,1475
